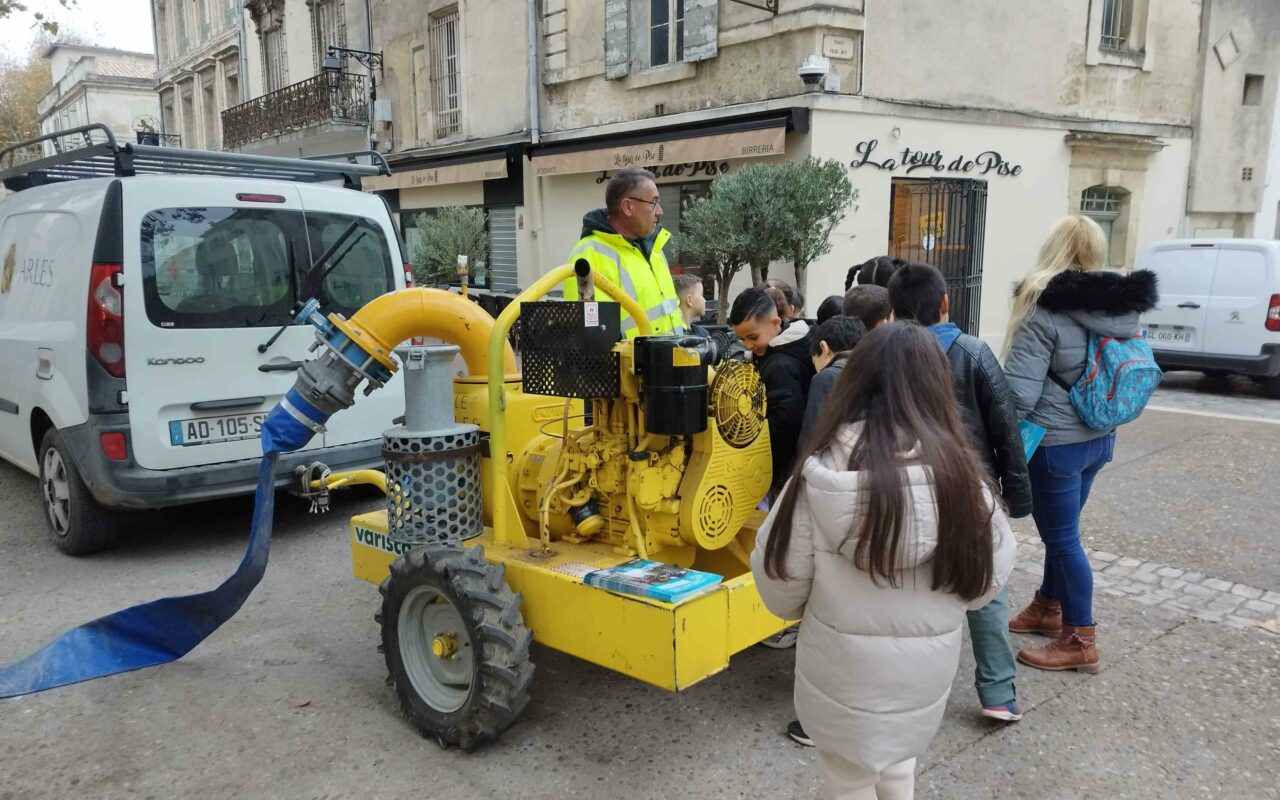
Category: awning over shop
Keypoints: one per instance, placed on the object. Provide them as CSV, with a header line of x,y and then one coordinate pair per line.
x,y
678,149
493,169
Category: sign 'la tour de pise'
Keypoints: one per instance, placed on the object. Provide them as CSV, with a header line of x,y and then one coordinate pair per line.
x,y
986,162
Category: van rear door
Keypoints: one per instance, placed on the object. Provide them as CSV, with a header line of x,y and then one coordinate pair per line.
x,y
213,267
1185,274
1237,311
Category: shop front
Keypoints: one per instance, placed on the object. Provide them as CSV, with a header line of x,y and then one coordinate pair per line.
x,y
491,180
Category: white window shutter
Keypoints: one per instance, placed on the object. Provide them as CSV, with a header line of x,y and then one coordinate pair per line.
x,y
617,39
701,29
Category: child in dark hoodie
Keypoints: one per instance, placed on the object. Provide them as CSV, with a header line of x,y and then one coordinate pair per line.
x,y
919,292
832,343
782,355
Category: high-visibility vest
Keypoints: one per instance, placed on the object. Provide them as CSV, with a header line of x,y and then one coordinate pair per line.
x,y
648,281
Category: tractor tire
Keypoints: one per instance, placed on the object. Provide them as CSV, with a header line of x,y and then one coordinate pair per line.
x,y
78,525
455,644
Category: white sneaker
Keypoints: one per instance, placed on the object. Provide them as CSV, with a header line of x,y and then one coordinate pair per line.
x,y
783,639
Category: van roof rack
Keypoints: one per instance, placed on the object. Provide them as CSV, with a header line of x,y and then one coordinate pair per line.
x,y
104,157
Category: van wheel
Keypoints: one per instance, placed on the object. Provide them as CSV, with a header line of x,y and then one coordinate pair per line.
x,y
455,644
77,524
1271,386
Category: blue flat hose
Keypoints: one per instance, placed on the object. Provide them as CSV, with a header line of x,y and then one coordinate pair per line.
x,y
167,629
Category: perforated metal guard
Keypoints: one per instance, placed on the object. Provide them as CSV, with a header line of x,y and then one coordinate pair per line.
x,y
564,357
433,486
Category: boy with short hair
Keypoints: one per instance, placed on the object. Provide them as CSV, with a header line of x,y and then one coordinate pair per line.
x,y
919,292
693,303
781,351
869,303
832,342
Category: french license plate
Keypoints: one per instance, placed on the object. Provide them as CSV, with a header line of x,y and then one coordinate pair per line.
x,y
208,430
1166,335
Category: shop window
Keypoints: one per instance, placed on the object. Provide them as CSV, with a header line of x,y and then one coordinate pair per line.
x,y
1252,90
666,32
445,78
943,222
481,274
1109,206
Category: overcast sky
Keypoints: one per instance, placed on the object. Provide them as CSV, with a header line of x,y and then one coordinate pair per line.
x,y
123,24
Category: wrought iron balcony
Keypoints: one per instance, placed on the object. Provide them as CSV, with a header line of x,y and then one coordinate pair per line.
x,y
159,139
327,97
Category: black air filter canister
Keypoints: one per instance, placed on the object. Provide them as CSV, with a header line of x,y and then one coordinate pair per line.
x,y
674,371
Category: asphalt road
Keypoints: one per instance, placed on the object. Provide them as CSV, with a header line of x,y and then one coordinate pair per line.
x,y
288,699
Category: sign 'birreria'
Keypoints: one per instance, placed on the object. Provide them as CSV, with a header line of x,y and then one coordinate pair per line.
x,y
988,161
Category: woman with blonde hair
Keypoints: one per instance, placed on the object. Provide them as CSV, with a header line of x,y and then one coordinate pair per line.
x,y
1068,295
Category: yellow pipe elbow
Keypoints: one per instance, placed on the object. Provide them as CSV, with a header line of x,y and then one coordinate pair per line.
x,y
398,316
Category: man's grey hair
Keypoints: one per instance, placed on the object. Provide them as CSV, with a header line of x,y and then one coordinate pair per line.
x,y
623,184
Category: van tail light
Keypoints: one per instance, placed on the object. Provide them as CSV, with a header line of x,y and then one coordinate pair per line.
x,y
114,446
416,341
1273,313
105,331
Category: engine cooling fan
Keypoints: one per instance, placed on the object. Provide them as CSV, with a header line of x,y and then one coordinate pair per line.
x,y
737,402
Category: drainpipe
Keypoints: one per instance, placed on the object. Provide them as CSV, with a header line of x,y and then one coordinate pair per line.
x,y
155,45
535,136
243,57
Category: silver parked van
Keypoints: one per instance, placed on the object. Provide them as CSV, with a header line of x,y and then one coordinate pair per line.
x,y
140,291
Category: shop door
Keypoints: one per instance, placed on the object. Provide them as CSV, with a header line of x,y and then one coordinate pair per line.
x,y
943,222
502,249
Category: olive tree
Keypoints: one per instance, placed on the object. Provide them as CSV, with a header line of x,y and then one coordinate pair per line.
x,y
443,236
815,196
710,236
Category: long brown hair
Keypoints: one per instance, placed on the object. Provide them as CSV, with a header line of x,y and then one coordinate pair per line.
x,y
898,383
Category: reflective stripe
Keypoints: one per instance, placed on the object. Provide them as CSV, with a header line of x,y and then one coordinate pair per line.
x,y
628,325
603,249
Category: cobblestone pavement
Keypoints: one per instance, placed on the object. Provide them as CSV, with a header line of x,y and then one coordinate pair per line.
x,y
1154,584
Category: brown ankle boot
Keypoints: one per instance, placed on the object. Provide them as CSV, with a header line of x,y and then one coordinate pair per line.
x,y
1042,616
1074,648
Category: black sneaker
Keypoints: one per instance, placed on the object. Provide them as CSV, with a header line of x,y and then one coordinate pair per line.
x,y
797,734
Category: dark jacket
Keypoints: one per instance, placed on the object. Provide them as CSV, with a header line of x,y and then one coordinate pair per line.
x,y
787,371
1073,305
819,390
990,416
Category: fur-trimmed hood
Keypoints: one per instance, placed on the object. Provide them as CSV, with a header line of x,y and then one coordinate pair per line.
x,y
1101,292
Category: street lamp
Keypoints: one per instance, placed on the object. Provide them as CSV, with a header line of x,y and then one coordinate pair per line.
x,y
335,60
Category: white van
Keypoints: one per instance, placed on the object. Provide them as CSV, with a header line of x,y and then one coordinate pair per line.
x,y
136,310
1219,309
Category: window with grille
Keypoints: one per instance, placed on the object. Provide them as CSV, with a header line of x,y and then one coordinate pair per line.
x,y
666,32
328,23
274,66
1100,200
1117,20
445,79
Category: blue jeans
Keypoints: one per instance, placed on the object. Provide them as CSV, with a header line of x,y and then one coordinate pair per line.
x,y
992,654
1061,477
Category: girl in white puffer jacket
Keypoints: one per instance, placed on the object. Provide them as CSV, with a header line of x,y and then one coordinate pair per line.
x,y
884,536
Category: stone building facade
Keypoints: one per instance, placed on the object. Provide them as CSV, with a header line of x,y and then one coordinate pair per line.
x,y
200,69
115,88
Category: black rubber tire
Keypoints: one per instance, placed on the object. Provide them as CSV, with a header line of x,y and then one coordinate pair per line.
x,y
1271,386
495,631
89,527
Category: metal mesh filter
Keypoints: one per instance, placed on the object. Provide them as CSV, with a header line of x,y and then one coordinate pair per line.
x,y
433,486
562,356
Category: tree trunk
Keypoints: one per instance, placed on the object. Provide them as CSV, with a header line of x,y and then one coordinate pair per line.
x,y
724,276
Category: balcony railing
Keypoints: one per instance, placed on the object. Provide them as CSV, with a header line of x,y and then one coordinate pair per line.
x,y
159,139
327,97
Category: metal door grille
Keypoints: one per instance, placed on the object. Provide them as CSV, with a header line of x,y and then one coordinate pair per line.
x,y
502,249
943,222
445,80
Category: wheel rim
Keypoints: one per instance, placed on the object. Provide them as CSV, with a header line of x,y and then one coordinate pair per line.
x,y
56,488
435,649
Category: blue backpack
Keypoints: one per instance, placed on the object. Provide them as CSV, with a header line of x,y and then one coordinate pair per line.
x,y
1119,378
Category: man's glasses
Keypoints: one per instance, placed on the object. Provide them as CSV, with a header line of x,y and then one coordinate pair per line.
x,y
656,202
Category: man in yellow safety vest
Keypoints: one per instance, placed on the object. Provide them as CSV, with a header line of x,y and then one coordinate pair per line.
x,y
623,241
